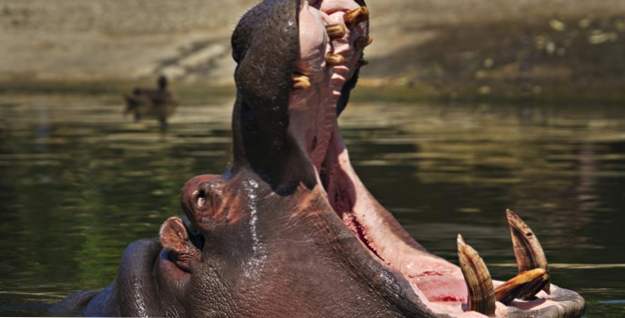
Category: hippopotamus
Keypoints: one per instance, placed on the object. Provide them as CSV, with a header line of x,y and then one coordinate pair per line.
x,y
290,230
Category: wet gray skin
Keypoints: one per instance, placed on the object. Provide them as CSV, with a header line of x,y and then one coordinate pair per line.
x,y
290,230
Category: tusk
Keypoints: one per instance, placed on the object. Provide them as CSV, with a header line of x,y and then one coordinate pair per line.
x,y
525,286
356,16
334,59
477,278
528,252
336,31
301,82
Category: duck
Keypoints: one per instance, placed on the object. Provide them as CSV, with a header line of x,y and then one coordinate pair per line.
x,y
157,103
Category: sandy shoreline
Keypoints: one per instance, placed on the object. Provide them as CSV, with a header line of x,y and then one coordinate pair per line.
x,y
452,46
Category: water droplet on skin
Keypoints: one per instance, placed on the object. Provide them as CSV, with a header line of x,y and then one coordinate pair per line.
x,y
258,250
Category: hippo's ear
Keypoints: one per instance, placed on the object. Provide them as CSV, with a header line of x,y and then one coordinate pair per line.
x,y
175,239
266,48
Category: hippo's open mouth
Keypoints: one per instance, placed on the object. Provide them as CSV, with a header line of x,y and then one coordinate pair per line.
x,y
289,230
333,35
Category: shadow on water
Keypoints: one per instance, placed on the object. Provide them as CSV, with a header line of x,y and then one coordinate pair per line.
x,y
78,183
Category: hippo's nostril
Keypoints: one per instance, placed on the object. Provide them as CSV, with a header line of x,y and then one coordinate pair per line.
x,y
200,198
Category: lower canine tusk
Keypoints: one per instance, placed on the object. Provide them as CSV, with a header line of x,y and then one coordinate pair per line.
x,y
478,279
525,286
528,252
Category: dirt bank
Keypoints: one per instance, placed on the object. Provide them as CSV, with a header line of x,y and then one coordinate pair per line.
x,y
479,47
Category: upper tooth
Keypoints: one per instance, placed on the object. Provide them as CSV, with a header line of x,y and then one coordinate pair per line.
x,y
528,252
478,279
336,31
356,16
334,59
301,81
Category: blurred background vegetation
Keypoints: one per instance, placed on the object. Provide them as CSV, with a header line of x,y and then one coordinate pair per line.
x,y
556,50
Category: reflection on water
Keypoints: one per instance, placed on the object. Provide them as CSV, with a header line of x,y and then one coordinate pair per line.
x,y
78,183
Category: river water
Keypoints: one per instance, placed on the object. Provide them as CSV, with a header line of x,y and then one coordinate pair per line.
x,y
78,182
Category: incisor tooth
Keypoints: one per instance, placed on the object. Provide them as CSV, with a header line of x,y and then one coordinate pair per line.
x,y
528,252
334,59
477,278
336,31
301,81
524,285
356,16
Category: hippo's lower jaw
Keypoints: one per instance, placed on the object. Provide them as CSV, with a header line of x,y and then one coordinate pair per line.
x,y
439,284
